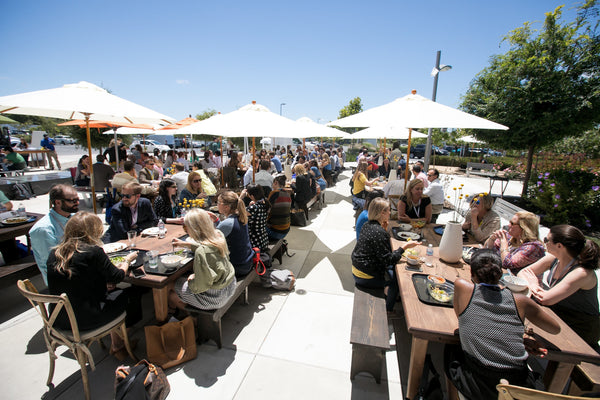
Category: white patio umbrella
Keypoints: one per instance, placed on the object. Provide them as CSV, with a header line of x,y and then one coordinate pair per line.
x,y
81,101
414,111
380,132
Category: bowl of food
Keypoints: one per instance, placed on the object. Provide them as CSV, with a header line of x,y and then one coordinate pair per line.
x,y
435,280
442,292
515,283
417,223
171,260
412,256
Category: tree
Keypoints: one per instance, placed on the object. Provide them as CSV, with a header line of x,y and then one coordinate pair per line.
x,y
546,87
354,107
209,112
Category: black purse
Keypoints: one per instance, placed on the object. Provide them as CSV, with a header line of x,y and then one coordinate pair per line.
x,y
297,218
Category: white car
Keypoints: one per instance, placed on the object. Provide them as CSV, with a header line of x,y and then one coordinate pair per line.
x,y
61,139
150,145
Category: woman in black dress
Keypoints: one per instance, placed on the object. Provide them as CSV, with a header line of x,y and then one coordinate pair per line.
x,y
79,267
303,188
165,204
414,206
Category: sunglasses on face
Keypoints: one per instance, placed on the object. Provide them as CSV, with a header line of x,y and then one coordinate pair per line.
x,y
128,196
546,240
73,200
197,180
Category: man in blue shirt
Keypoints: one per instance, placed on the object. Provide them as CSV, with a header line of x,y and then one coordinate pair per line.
x,y
49,230
48,144
275,161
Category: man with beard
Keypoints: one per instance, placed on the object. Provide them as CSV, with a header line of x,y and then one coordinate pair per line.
x,y
49,230
133,212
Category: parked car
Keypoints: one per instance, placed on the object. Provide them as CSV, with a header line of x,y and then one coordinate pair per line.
x,y
61,139
440,151
150,145
14,141
418,151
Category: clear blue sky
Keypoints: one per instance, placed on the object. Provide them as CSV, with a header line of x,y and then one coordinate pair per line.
x,y
183,57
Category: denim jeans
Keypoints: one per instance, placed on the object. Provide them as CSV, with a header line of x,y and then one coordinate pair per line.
x,y
391,284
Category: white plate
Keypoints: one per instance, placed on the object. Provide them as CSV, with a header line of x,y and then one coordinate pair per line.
x,y
404,227
409,235
112,247
151,231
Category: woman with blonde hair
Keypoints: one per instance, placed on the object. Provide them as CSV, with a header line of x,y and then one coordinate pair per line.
x,y
359,180
80,268
193,189
213,281
304,188
521,245
235,228
481,221
413,205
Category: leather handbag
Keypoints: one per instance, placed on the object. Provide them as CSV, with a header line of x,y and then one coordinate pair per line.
x,y
297,218
142,381
172,343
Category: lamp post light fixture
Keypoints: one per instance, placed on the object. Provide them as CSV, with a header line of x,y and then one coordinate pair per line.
x,y
281,108
435,73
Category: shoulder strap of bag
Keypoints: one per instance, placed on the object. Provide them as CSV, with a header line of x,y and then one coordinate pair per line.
x,y
133,373
258,262
182,349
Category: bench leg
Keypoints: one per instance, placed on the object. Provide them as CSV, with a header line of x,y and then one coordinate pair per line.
x,y
207,328
367,359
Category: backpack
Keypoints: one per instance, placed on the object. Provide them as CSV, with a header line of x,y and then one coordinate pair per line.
x,y
18,191
281,279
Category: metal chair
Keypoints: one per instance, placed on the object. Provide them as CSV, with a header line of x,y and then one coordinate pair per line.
x,y
77,341
507,391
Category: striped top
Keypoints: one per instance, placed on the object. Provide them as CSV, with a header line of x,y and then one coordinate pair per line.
x,y
279,213
491,330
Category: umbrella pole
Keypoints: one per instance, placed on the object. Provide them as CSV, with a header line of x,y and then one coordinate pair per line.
x,y
253,155
407,158
222,178
116,150
89,143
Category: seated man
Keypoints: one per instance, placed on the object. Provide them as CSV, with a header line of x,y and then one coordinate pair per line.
x,y
103,173
49,230
263,177
180,176
435,191
129,175
148,173
278,221
133,212
14,160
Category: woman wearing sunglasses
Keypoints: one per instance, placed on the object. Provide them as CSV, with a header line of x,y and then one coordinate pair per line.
x,y
193,189
570,287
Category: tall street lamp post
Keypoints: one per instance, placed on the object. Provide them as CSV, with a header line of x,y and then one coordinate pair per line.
x,y
281,108
436,73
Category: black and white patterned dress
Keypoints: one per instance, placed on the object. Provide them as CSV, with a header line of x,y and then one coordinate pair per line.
x,y
257,225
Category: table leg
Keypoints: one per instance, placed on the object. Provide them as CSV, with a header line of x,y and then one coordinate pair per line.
x,y
557,375
418,351
161,305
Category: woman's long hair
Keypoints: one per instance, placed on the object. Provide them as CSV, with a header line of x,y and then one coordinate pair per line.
x,y
530,225
201,228
408,194
235,204
233,160
191,177
362,168
81,230
163,190
585,250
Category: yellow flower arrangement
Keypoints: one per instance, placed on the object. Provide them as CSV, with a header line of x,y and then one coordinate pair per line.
x,y
459,198
195,203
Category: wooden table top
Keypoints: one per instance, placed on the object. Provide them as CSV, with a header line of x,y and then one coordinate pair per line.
x,y
163,246
11,232
441,324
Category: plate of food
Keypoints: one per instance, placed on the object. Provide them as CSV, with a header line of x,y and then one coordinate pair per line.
x,y
119,257
516,284
151,231
406,236
16,220
112,247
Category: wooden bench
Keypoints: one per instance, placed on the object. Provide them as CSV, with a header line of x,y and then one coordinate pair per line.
x,y
208,322
369,333
22,268
585,378
476,168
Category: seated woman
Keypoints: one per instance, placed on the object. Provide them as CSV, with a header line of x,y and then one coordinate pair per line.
x,y
303,189
193,189
364,215
413,205
385,168
520,246
327,169
481,221
358,182
278,220
80,268
570,287
316,173
82,176
213,280
234,227
165,204
258,210
490,327
373,260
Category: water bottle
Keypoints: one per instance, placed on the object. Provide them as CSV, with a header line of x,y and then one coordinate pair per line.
x,y
429,255
161,229
21,210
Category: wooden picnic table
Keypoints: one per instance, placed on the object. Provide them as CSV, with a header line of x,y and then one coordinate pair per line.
x,y
433,323
160,284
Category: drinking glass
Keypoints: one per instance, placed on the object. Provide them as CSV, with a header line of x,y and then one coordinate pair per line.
x,y
131,237
153,259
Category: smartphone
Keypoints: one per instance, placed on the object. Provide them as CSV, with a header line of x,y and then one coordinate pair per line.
x,y
138,272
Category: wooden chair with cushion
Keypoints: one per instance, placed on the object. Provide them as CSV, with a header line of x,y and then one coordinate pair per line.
x,y
507,391
77,341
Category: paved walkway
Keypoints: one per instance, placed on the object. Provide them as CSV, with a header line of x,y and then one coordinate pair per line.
x,y
282,345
